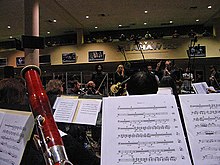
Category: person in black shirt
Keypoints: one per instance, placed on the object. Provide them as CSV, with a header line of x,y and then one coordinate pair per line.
x,y
98,77
214,77
120,77
142,83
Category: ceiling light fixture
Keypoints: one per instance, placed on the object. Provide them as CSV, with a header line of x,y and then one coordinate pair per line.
x,y
48,32
87,17
10,37
197,20
120,25
171,21
96,27
209,7
9,27
145,11
54,20
145,23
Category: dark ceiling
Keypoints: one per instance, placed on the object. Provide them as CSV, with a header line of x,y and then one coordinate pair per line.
x,y
107,15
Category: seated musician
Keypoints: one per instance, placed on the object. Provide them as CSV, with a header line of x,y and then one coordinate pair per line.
x,y
76,91
90,88
54,89
142,83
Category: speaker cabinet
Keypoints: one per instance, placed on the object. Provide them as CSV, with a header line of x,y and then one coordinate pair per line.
x,y
8,72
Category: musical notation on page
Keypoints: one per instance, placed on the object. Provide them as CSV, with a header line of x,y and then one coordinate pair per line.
x,y
202,119
141,130
15,131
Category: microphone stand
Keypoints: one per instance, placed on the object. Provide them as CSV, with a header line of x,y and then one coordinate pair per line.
x,y
191,66
139,48
102,82
127,64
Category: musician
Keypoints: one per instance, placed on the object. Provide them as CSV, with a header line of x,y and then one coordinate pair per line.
x,y
12,94
90,89
167,70
119,76
150,70
214,77
187,80
54,89
76,91
142,83
97,77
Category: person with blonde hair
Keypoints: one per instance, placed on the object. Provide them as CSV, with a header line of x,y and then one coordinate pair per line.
x,y
90,89
54,89
119,77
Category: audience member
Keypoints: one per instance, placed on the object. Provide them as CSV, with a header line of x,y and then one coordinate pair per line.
x,y
148,35
122,37
175,34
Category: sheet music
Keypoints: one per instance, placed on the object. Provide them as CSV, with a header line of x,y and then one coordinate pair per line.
x,y
202,119
65,109
15,130
165,91
142,130
1,117
80,111
200,88
88,111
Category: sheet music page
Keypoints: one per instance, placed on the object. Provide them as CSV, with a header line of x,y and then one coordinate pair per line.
x,y
63,96
88,111
65,109
1,117
200,88
202,118
14,132
142,130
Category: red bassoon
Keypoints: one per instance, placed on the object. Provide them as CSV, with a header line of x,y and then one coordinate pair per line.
x,y
50,141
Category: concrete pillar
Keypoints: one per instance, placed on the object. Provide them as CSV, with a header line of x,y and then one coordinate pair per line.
x,y
80,36
31,28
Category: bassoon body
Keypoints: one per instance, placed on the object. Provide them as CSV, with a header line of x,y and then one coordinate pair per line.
x,y
50,140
